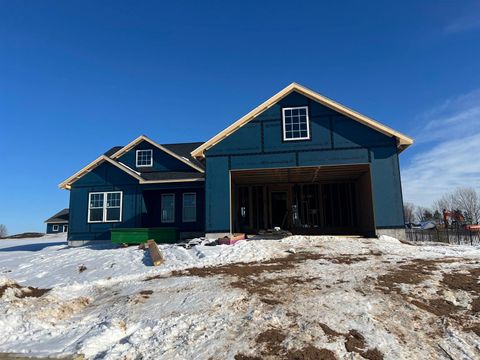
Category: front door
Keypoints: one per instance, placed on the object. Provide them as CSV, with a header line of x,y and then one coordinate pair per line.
x,y
279,209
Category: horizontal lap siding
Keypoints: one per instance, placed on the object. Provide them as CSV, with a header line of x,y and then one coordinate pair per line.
x,y
335,140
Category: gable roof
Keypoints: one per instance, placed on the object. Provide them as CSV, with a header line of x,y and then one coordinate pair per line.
x,y
180,151
184,150
59,218
101,159
403,141
112,151
141,138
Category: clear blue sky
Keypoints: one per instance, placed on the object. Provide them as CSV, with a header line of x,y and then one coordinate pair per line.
x,y
77,77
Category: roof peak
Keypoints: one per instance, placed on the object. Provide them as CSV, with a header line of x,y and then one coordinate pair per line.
x,y
403,141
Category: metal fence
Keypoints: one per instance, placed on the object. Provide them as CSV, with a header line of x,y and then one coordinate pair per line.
x,y
449,236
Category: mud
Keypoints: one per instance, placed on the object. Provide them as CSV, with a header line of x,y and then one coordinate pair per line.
x,y
355,342
438,307
329,331
310,353
247,357
270,301
270,343
271,340
475,304
412,273
23,292
474,327
463,281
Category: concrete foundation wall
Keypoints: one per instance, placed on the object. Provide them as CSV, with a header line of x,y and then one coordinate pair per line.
x,y
397,233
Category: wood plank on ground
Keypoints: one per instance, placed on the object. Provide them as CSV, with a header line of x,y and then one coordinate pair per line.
x,y
157,257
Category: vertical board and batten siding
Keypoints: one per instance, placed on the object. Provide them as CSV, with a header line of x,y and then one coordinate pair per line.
x,y
334,140
161,160
107,177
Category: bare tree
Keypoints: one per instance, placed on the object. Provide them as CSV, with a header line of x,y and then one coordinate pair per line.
x,y
467,200
3,231
420,213
446,202
409,212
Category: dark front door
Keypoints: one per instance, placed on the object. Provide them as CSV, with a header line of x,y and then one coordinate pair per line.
x,y
279,208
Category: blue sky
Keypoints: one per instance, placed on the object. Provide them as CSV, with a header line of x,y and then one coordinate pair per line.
x,y
77,77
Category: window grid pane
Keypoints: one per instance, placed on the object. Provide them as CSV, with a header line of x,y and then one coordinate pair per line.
x,y
144,157
295,123
96,201
105,207
113,200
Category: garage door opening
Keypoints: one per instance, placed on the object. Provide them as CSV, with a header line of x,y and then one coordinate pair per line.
x,y
334,200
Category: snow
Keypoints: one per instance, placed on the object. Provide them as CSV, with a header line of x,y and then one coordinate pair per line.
x,y
121,306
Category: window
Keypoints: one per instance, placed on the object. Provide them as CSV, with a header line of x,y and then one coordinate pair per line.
x,y
295,123
168,208
144,158
55,228
105,207
65,228
189,207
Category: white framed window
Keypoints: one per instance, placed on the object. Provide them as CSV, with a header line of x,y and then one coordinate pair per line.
x,y
55,228
168,208
144,158
105,206
189,207
65,228
296,125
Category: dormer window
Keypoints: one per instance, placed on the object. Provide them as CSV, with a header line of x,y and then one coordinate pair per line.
x,y
144,158
295,123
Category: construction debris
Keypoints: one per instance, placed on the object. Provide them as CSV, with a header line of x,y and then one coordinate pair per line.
x,y
231,239
157,257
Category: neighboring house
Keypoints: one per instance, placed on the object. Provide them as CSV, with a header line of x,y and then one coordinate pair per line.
x,y
299,161
58,223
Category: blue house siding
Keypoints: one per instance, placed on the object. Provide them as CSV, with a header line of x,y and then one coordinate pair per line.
x,y
107,177
387,190
161,160
217,185
334,140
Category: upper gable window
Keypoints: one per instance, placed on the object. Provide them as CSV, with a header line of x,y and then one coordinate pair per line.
x,y
144,158
295,123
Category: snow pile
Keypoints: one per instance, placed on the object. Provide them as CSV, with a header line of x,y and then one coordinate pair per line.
x,y
204,302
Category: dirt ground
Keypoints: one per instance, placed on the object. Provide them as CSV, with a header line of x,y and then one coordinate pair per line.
x,y
406,284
